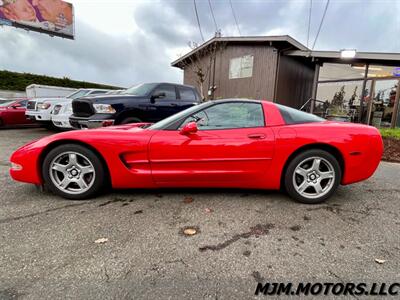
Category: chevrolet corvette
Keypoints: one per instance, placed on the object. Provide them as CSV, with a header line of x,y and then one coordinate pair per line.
x,y
232,143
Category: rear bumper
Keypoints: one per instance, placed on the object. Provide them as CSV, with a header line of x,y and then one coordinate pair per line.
x,y
361,163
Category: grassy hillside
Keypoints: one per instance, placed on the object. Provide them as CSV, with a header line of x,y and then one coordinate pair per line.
x,y
19,81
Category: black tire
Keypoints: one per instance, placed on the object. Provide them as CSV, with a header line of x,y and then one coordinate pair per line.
x,y
130,120
51,126
99,181
310,154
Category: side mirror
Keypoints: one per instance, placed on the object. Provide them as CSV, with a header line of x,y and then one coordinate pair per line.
x,y
157,95
189,128
15,106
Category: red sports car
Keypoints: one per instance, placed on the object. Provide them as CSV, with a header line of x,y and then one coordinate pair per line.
x,y
12,113
226,143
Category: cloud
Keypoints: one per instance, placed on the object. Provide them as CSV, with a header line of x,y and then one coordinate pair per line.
x,y
131,42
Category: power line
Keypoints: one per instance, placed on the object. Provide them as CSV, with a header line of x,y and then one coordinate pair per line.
x,y
212,13
320,25
309,24
198,20
234,16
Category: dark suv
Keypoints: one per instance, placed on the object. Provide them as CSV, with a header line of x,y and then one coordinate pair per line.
x,y
149,102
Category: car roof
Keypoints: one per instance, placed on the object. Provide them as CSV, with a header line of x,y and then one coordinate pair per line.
x,y
268,102
171,83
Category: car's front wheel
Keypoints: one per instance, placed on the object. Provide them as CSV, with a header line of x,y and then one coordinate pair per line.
x,y
73,172
312,176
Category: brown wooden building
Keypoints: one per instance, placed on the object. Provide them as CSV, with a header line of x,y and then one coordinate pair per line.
x,y
250,67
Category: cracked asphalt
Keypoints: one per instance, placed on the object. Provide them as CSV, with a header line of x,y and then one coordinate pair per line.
x,y
47,248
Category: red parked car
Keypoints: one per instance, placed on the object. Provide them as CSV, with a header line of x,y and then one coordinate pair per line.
x,y
227,143
12,113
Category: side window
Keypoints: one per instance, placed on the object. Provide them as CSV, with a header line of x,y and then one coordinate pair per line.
x,y
229,116
98,92
23,103
187,94
294,116
168,90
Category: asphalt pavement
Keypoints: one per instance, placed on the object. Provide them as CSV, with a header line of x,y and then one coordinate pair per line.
x,y
48,248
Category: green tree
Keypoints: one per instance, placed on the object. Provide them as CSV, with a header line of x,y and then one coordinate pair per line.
x,y
19,81
338,98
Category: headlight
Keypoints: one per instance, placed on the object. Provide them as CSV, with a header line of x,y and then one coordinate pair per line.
x,y
56,109
43,105
103,108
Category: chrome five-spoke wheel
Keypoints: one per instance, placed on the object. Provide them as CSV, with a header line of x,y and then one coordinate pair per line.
x,y
312,176
72,172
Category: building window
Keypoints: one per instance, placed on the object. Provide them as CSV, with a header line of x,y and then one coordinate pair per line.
x,y
241,67
340,91
341,71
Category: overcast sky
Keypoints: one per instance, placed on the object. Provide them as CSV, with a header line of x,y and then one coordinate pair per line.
x,y
124,42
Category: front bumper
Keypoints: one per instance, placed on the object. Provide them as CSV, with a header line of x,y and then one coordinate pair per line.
x,y
37,116
25,165
61,121
89,123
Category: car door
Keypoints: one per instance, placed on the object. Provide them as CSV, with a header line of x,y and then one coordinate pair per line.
x,y
164,102
16,113
232,148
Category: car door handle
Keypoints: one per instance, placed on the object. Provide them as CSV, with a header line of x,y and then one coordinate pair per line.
x,y
173,104
256,136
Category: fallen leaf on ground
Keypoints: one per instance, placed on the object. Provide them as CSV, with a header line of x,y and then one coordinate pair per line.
x,y
188,200
380,261
101,241
190,231
208,210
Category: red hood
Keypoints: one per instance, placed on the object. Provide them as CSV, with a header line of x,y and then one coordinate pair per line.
x,y
88,135
78,134
138,126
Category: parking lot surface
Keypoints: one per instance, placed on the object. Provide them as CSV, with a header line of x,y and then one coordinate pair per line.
x,y
48,247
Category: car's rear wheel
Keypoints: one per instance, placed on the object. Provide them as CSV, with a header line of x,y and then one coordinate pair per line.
x,y
131,120
73,172
312,176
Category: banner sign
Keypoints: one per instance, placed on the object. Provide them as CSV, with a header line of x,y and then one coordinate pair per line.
x,y
54,17
396,72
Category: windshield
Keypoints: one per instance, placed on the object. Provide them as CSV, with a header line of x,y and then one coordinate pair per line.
x,y
140,90
5,102
176,117
78,94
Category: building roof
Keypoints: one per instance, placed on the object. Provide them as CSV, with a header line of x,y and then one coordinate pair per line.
x,y
292,47
391,59
280,41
